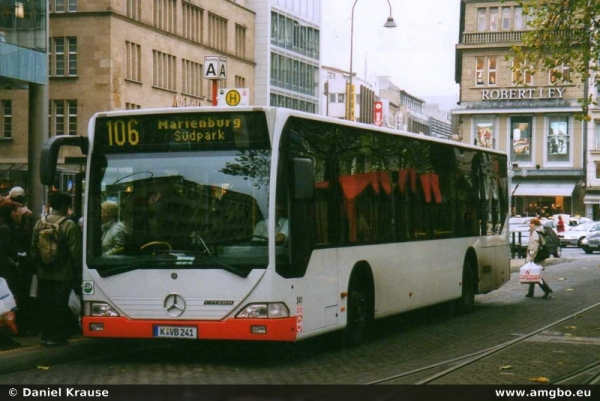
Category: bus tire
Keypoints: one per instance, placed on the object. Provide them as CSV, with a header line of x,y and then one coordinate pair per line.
x,y
466,303
360,307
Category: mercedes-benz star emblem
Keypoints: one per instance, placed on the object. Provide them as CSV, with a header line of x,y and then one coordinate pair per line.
x,y
174,305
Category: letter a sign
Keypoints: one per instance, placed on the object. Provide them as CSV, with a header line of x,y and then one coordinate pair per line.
x,y
215,67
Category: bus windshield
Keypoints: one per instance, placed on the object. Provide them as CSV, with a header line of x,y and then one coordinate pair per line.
x,y
175,207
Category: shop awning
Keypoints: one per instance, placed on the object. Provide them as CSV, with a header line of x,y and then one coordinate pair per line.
x,y
593,199
543,188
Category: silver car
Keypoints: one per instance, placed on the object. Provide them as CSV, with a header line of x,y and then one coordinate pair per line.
x,y
576,234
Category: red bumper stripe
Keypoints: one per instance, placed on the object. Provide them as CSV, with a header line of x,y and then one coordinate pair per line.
x,y
232,329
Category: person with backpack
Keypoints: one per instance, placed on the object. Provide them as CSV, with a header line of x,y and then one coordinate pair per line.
x,y
56,248
536,239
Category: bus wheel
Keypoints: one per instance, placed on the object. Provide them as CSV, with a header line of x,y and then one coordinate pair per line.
x,y
466,302
360,308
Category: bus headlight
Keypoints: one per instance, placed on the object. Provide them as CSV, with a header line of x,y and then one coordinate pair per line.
x,y
101,309
270,310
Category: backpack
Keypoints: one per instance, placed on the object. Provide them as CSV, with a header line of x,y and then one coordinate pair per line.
x,y
51,245
543,252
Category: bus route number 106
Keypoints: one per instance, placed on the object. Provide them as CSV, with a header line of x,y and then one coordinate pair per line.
x,y
121,133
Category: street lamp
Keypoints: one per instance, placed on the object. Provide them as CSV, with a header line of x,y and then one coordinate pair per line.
x,y
349,95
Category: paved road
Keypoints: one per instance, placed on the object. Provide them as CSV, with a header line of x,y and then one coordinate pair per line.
x,y
399,344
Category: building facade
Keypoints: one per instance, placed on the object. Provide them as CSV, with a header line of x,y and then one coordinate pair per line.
x,y
287,53
23,89
114,54
532,117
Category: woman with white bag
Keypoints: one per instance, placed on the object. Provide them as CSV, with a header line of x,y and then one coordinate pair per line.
x,y
536,231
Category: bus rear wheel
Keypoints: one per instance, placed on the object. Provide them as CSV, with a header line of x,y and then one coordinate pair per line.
x,y
466,303
360,308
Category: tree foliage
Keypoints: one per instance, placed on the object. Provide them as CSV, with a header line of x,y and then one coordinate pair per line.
x,y
562,32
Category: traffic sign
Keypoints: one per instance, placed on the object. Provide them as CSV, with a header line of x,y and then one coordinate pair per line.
x,y
215,67
234,97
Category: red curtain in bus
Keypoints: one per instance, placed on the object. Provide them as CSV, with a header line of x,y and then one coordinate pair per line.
x,y
353,185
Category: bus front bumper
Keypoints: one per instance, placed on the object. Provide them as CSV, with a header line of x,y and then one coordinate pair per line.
x,y
283,329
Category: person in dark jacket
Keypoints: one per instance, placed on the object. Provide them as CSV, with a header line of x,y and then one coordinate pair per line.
x,y
536,231
55,284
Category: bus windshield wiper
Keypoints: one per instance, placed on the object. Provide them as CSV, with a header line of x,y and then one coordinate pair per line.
x,y
225,266
113,271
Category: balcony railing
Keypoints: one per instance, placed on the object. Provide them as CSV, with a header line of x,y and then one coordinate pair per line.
x,y
492,37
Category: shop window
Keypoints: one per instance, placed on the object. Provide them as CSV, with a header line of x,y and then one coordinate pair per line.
x,y
558,139
521,139
484,132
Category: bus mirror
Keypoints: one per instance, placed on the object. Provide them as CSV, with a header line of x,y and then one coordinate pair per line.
x,y
49,156
303,179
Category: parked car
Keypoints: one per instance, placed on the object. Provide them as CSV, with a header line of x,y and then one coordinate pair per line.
x,y
576,234
519,240
515,222
591,243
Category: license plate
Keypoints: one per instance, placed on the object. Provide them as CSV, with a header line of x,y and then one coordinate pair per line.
x,y
176,332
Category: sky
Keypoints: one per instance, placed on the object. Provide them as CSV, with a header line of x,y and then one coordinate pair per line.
x,y
418,54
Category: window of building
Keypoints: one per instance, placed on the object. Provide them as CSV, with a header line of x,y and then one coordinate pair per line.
x,y
597,135
333,97
164,15
506,18
192,76
558,139
482,19
62,57
521,73
485,132
132,106
520,136
5,119
560,74
61,6
240,82
133,63
518,19
217,32
597,170
62,117
493,18
341,98
164,70
240,41
134,10
485,70
192,22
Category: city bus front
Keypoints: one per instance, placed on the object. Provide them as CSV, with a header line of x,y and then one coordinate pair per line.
x,y
172,243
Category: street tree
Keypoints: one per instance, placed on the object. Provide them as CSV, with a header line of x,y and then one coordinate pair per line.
x,y
563,37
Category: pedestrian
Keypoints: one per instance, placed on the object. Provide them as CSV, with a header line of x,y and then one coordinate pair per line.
x,y
55,283
536,232
8,265
8,252
24,221
560,226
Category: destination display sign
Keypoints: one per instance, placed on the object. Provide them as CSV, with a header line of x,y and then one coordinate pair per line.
x,y
181,132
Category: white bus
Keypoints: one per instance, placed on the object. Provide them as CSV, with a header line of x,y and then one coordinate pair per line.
x,y
373,222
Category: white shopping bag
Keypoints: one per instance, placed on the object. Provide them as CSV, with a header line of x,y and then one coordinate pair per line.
x,y
74,303
7,301
530,273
